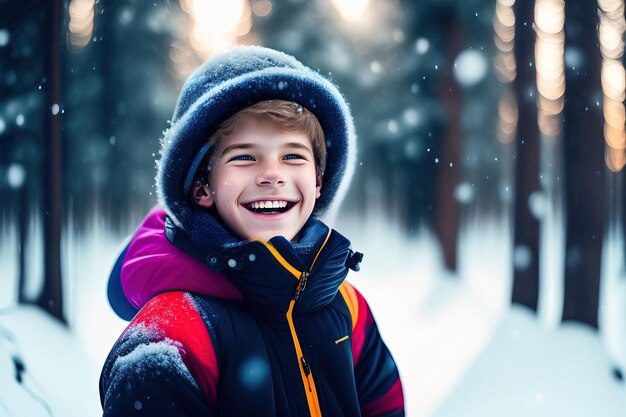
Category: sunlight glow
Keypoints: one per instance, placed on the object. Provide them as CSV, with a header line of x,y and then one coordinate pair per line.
x,y
81,22
350,10
216,24
611,36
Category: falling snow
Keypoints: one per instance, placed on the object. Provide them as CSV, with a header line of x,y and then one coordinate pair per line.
x,y
411,117
4,37
470,68
464,193
522,257
467,351
422,45
393,127
16,174
537,204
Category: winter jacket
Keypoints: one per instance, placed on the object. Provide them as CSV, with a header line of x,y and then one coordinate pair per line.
x,y
257,329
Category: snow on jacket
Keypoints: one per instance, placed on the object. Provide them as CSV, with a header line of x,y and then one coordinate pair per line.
x,y
258,329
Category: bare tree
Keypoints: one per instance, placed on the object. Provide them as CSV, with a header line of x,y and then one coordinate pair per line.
x,y
526,234
51,297
584,168
447,215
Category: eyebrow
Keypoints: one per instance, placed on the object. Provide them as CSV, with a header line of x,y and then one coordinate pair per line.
x,y
247,146
238,146
298,145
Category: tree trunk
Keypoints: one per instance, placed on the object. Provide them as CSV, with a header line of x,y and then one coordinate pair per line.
x,y
584,168
447,212
22,226
51,298
526,234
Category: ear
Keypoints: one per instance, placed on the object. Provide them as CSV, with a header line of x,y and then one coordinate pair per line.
x,y
202,195
318,187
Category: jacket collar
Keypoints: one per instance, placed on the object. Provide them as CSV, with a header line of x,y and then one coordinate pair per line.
x,y
267,273
263,275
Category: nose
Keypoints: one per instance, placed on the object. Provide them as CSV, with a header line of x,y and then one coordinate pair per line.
x,y
270,173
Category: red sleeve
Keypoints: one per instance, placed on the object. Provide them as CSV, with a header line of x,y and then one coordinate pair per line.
x,y
173,315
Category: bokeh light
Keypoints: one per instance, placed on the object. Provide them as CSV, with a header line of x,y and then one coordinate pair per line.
x,y
613,77
550,64
504,39
81,22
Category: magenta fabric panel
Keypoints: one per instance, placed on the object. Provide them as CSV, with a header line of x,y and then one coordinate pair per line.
x,y
153,265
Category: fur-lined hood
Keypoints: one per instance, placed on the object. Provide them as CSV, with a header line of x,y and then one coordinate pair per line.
x,y
225,85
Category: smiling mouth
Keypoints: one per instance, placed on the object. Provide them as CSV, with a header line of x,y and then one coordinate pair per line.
x,y
269,207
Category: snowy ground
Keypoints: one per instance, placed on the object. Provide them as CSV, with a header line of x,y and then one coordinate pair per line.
x,y
461,349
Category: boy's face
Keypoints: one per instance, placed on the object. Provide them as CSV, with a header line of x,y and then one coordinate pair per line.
x,y
262,181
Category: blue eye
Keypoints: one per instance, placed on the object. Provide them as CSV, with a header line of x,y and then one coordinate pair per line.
x,y
293,156
242,158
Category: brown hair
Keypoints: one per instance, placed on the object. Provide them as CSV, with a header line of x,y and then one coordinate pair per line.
x,y
285,115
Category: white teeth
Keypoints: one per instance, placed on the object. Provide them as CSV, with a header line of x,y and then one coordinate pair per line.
x,y
268,204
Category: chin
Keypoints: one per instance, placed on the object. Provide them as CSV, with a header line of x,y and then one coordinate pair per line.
x,y
266,236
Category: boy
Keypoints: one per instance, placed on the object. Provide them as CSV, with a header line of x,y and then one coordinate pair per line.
x,y
244,308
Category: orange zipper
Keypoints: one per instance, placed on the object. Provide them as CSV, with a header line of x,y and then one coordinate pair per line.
x,y
305,370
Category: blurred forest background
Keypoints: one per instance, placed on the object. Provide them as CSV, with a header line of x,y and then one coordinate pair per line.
x,y
465,110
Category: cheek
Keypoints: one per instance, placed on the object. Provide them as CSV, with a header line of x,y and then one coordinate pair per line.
x,y
310,188
228,188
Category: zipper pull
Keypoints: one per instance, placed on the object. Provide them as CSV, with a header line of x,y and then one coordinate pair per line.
x,y
305,366
301,285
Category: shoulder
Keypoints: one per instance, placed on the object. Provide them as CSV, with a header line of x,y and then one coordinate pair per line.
x,y
167,317
362,318
357,305
173,320
169,313
165,357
